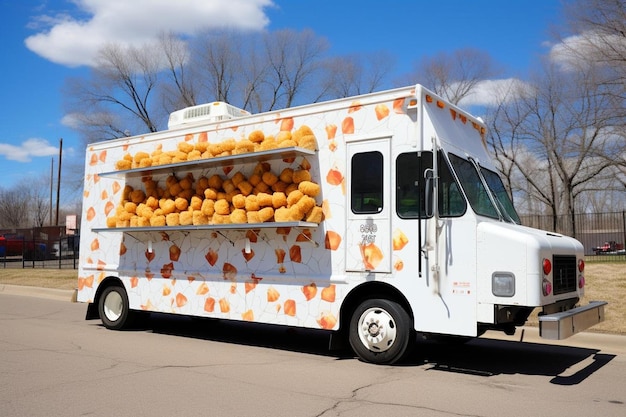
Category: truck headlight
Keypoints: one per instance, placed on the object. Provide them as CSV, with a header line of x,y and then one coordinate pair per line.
x,y
503,284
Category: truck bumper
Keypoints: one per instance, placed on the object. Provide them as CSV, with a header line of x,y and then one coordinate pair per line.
x,y
560,326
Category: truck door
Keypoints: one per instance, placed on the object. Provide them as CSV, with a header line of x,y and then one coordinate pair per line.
x,y
368,234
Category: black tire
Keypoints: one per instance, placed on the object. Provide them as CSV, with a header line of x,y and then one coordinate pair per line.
x,y
113,308
381,331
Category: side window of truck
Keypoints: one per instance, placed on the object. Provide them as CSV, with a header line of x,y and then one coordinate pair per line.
x,y
411,187
367,183
410,191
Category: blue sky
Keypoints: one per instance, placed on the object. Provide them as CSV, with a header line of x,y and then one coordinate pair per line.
x,y
46,41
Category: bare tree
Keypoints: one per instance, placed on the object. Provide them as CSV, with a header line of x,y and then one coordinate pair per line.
x,y
218,55
13,209
454,75
293,60
599,37
263,73
356,74
181,91
598,29
25,204
117,97
558,136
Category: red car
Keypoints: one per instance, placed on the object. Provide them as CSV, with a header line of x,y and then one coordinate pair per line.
x,y
611,247
15,245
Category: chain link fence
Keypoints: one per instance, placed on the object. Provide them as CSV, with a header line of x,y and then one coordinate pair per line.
x,y
602,234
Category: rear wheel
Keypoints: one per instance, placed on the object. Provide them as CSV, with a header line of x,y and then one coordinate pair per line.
x,y
113,308
381,331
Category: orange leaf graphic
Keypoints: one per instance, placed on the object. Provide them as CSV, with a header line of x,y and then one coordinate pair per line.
x,y
209,305
328,293
347,126
248,315
202,289
181,300
290,308
272,295
327,320
224,305
91,214
309,291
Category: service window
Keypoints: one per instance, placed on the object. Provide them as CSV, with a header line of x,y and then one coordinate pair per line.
x,y
367,183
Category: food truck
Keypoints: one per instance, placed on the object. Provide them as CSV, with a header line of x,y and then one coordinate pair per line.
x,y
375,217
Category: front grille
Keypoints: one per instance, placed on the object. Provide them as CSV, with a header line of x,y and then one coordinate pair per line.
x,y
564,275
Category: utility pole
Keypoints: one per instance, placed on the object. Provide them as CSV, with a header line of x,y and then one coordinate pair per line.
x,y
59,179
51,182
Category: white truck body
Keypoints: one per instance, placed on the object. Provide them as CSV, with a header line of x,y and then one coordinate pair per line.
x,y
453,265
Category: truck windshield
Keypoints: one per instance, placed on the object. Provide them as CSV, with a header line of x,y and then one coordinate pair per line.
x,y
505,205
484,190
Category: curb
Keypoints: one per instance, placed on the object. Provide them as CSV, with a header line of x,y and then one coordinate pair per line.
x,y
49,293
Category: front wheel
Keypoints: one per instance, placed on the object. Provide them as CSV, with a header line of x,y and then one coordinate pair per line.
x,y
113,308
381,331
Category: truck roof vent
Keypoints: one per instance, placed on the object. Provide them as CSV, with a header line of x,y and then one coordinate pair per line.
x,y
210,112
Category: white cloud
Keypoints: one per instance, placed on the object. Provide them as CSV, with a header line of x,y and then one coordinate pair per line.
x,y
31,148
73,42
567,54
586,48
493,92
71,120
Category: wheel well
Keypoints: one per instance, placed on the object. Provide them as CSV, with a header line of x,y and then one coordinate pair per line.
x,y
92,309
370,290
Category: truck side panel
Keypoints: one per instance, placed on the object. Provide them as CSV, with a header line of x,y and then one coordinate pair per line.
x,y
286,275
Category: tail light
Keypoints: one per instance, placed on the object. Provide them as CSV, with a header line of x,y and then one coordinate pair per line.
x,y
547,266
581,277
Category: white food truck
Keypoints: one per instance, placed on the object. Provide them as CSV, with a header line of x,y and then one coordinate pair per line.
x,y
374,217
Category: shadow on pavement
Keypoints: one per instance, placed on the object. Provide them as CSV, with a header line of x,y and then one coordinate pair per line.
x,y
487,357
480,357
